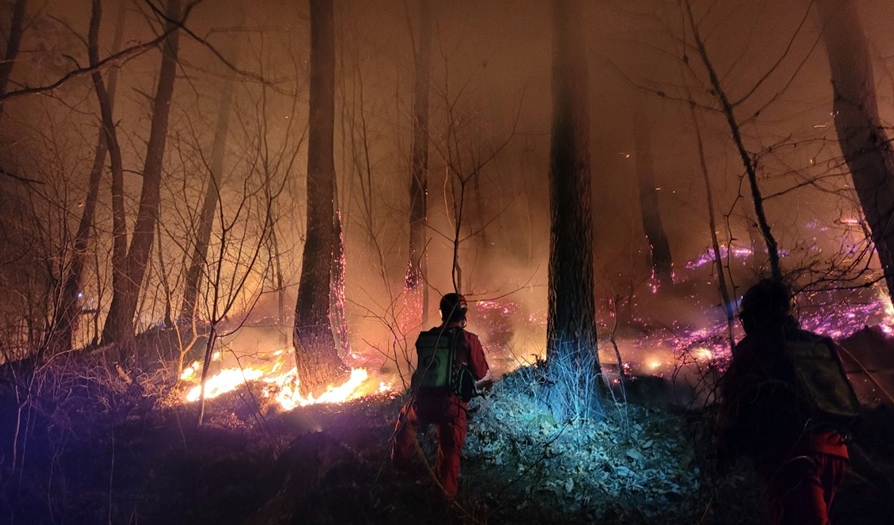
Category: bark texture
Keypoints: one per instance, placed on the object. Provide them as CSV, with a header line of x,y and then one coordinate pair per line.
x,y
316,357
571,321
862,137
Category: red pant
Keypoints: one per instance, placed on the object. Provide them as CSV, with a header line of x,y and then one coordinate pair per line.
x,y
449,414
801,490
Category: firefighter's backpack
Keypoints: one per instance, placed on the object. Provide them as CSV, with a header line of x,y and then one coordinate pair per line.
x,y
821,382
818,396
436,370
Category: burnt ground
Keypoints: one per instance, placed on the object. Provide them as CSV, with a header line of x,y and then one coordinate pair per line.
x,y
94,448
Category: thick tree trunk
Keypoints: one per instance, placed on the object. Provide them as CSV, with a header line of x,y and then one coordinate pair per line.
x,y
68,309
16,28
862,137
128,277
196,268
659,247
571,317
315,354
415,288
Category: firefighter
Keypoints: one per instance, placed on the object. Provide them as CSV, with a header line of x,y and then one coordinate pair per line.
x,y
799,456
443,407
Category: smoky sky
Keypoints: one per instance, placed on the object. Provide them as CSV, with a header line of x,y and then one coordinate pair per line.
x,y
490,100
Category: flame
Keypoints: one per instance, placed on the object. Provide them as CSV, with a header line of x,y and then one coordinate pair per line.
x,y
276,384
225,381
701,353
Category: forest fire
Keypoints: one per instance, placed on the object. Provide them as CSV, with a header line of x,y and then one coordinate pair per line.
x,y
277,382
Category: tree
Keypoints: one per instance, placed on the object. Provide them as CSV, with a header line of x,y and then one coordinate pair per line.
x,y
129,266
416,263
861,135
316,357
571,352
571,317
65,316
16,28
728,108
659,247
212,192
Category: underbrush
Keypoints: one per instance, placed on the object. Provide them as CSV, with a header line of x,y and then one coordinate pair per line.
x,y
100,442
635,464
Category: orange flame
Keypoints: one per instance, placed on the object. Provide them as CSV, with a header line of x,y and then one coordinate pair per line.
x,y
281,386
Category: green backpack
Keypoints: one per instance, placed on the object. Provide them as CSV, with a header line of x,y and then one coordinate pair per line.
x,y
822,385
436,370
766,410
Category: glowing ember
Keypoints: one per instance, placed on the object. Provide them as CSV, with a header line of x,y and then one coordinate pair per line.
x,y
702,354
737,252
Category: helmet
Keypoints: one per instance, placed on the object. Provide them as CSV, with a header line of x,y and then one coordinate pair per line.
x,y
768,301
453,307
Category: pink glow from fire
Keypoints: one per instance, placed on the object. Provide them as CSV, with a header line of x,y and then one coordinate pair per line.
x,y
661,339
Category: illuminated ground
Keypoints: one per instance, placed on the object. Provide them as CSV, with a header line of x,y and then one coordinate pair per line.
x,y
101,443
124,455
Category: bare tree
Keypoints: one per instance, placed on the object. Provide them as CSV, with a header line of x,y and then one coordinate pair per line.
x,y
712,226
212,190
659,247
861,135
69,304
749,161
571,321
236,261
316,357
130,264
13,41
416,263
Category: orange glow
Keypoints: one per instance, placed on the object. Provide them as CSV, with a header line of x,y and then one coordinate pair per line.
x,y
275,382
702,354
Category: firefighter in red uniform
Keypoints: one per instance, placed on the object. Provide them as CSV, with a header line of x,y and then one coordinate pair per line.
x,y
443,408
800,460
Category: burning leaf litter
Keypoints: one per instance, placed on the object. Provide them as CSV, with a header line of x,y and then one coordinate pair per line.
x,y
276,384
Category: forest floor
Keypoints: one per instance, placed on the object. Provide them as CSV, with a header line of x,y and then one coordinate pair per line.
x,y
99,448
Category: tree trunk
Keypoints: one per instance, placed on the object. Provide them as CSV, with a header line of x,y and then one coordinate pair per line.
x,y
315,354
571,317
861,135
16,28
212,192
659,247
68,309
337,294
417,292
279,286
128,276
